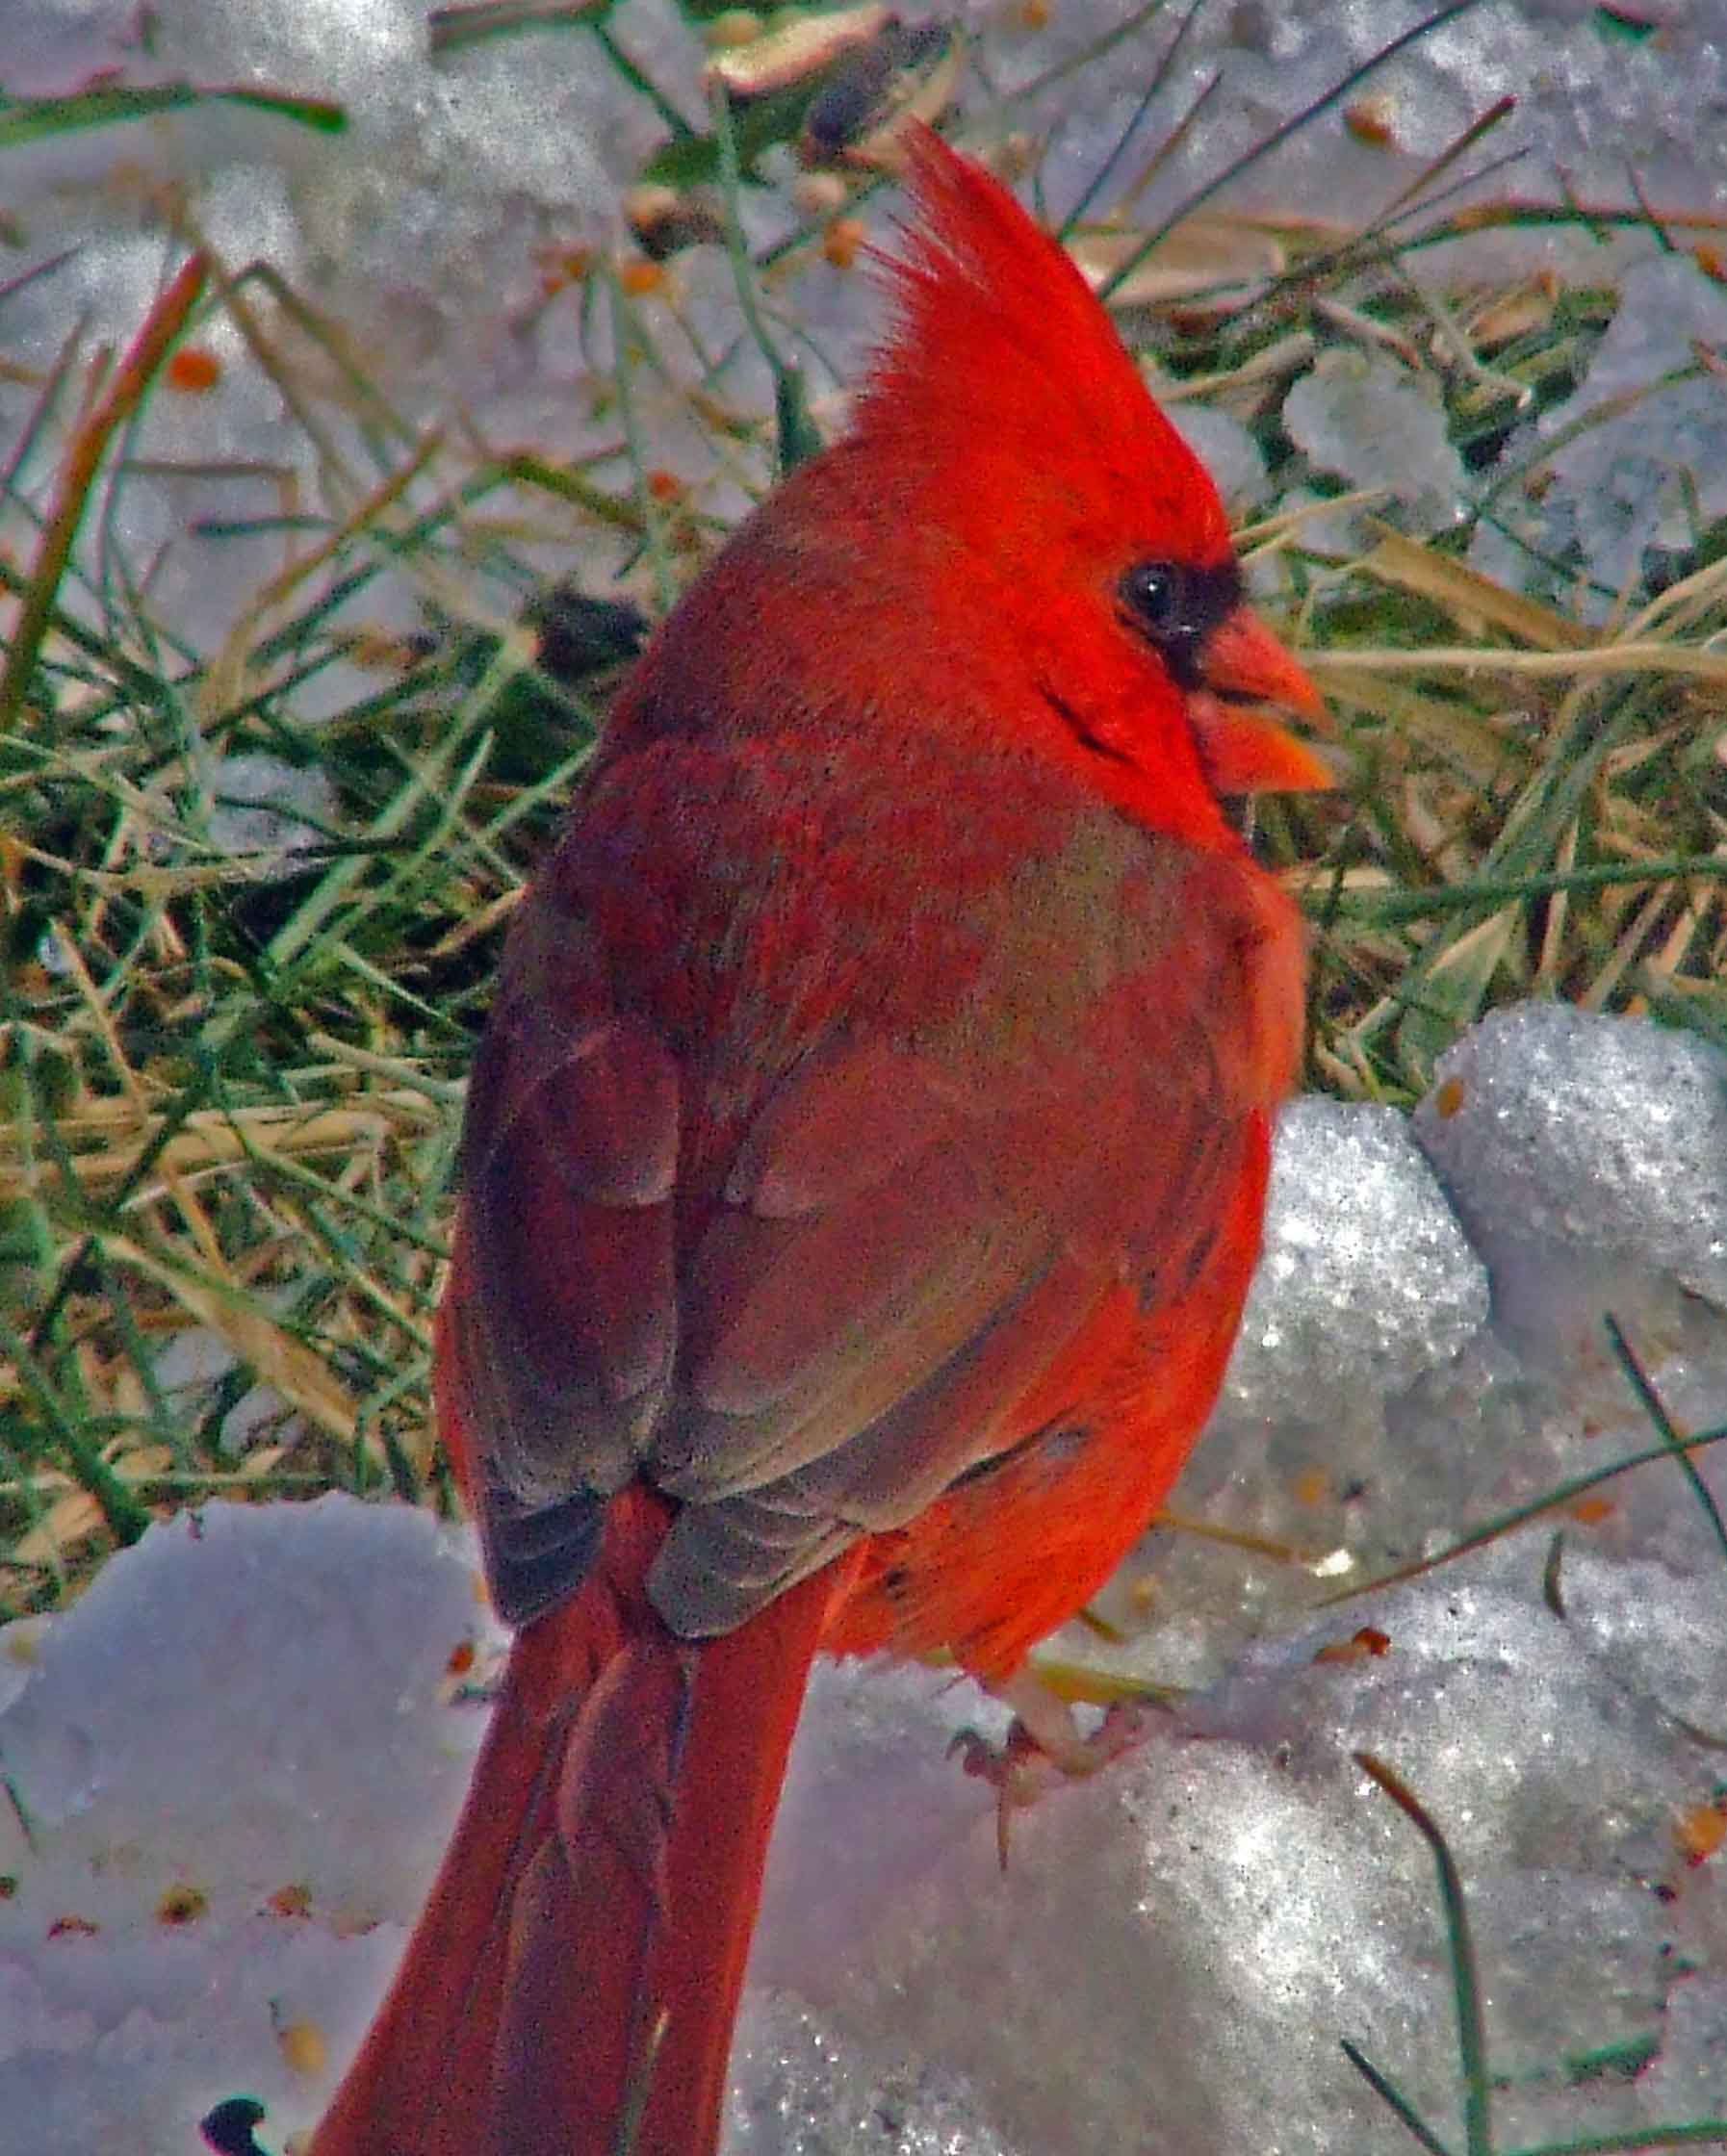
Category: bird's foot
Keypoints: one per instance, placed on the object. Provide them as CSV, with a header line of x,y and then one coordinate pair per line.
x,y
1044,1748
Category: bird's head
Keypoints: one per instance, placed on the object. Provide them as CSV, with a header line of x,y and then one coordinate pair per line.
x,y
1022,440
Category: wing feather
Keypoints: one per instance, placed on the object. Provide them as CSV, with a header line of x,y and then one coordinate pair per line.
x,y
811,1330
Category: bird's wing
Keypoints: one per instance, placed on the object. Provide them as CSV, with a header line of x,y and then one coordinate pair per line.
x,y
913,1226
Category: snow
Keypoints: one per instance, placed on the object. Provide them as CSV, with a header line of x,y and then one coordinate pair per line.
x,y
1227,451
1367,1279
1373,423
1650,473
1560,1185
234,1761
257,799
219,1737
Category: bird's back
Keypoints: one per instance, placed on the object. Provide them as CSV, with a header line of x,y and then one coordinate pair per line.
x,y
820,1053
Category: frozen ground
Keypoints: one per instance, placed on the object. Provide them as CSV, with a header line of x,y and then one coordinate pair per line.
x,y
233,1763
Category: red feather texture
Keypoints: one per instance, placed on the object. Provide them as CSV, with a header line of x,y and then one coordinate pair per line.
x,y
863,1168
1005,381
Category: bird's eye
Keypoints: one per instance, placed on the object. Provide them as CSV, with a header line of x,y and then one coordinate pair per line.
x,y
1175,606
1153,591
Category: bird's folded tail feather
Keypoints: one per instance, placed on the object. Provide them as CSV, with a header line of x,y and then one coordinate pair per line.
x,y
571,1983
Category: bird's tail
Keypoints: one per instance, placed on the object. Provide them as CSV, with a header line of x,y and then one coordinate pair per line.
x,y
572,1984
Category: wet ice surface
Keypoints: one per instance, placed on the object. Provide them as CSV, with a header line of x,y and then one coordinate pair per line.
x,y
1176,1949
259,1709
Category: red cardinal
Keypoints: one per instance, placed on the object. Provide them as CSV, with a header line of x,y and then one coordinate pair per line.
x,y
863,1168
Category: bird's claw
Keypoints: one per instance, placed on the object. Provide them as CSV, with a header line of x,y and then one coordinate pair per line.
x,y
1026,1765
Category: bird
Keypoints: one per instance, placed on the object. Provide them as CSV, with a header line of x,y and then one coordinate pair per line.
x,y
863,1171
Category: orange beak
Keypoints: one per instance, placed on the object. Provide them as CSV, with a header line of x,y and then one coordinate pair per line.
x,y
1245,750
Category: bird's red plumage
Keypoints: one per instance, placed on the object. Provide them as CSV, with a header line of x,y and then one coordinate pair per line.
x,y
863,1169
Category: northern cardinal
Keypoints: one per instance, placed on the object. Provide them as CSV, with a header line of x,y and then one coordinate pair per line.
x,y
864,1167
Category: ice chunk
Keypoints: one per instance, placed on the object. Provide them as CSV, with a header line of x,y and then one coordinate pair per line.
x,y
1649,476
1368,1301
1580,1149
1366,1278
1666,304
259,799
1685,2079
1227,451
1370,422
801,2090
1178,1947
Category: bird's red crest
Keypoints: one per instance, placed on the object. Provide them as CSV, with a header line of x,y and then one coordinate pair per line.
x,y
1000,344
